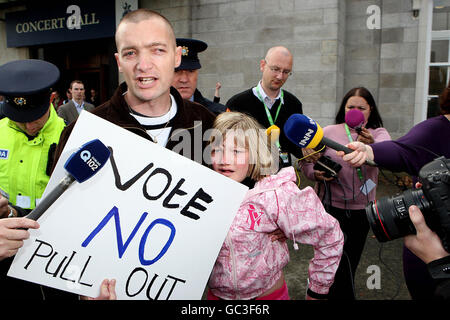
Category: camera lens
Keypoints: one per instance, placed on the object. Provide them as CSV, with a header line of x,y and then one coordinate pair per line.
x,y
389,218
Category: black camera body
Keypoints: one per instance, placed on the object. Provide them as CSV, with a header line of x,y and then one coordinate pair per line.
x,y
389,217
330,167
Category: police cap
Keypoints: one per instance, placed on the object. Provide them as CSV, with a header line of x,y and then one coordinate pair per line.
x,y
189,54
26,84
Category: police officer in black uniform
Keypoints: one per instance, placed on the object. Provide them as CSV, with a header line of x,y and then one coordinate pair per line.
x,y
186,75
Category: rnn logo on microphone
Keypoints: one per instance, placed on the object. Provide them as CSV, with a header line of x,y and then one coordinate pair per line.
x,y
307,138
87,157
309,134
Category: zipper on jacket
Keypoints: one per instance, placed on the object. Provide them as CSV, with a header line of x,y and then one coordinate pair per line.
x,y
233,267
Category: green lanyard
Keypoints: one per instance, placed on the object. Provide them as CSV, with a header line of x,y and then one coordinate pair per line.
x,y
269,115
350,139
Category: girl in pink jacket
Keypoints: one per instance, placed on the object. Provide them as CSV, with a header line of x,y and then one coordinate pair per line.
x,y
250,265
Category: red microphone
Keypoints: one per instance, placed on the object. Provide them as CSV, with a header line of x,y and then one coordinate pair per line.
x,y
355,119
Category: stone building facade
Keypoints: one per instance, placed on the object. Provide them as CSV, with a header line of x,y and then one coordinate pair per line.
x,y
383,45
337,45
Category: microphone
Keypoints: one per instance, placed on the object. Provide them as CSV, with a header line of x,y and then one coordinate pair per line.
x,y
273,132
306,133
80,166
355,119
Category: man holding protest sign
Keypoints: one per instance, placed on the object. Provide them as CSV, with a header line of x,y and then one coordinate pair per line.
x,y
145,103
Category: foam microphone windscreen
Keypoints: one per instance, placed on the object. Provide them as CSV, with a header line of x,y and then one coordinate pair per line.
x,y
80,166
306,133
354,118
85,162
303,131
273,132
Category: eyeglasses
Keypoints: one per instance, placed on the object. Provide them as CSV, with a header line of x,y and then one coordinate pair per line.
x,y
277,70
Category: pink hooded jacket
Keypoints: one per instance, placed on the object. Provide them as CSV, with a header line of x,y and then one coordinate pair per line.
x,y
249,263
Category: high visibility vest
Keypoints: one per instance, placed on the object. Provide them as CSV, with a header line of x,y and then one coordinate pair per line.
x,y
23,162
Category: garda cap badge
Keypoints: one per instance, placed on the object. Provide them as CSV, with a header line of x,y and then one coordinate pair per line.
x,y
20,101
184,51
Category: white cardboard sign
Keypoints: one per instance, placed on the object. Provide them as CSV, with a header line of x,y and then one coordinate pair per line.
x,y
155,224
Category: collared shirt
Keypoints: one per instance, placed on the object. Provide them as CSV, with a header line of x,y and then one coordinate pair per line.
x,y
267,100
78,106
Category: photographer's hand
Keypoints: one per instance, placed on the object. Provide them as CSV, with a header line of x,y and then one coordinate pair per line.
x,y
425,244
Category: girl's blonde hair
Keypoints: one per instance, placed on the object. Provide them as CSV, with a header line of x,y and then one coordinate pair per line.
x,y
250,134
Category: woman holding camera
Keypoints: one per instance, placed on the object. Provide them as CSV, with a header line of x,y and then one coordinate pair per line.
x,y
426,141
346,193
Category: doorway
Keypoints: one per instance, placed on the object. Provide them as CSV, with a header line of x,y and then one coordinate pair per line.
x,y
91,61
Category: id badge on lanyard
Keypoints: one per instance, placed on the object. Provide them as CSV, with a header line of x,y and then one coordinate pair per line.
x,y
283,155
269,115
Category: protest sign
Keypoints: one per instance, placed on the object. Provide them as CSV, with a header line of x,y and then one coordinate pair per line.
x,y
151,219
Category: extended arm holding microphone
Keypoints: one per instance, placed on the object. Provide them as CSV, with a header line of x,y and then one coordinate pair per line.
x,y
360,153
346,150
81,166
306,133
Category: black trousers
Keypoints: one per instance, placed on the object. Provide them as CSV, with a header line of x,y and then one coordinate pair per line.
x,y
355,227
421,285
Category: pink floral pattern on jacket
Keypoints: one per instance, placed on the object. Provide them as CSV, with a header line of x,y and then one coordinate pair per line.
x,y
249,263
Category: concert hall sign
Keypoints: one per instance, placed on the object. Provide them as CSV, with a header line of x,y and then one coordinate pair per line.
x,y
62,21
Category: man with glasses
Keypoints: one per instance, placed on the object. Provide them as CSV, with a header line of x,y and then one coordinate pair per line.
x,y
268,103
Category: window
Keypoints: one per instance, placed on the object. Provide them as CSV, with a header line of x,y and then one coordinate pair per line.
x,y
439,64
439,69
